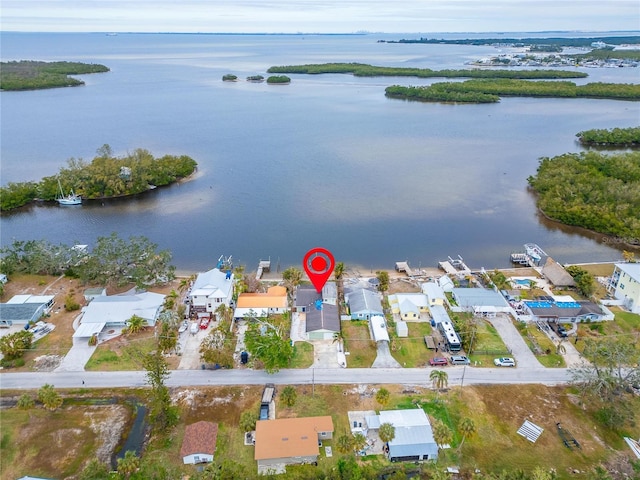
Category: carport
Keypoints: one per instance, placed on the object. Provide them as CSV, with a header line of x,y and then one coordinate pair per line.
x,y
87,330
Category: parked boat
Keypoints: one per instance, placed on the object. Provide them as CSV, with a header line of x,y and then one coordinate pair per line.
x,y
70,199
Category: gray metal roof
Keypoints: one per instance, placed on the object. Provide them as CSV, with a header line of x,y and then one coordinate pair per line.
x,y
362,300
325,319
21,312
479,297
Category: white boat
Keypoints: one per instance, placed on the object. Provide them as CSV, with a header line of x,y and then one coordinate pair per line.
x,y
70,199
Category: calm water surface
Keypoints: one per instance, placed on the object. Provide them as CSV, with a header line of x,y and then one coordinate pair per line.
x,y
325,161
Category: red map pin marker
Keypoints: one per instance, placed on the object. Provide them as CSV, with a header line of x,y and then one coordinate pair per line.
x,y
318,263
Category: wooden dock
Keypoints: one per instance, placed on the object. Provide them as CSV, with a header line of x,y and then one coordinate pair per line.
x,y
404,267
263,266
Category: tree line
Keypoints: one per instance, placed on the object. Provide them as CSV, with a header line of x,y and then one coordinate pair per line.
x,y
490,90
104,177
364,70
32,75
112,261
614,137
593,190
521,42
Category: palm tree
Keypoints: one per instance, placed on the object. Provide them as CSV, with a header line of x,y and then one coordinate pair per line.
x,y
439,379
338,273
387,432
344,443
467,428
359,442
292,277
49,397
442,434
288,396
129,464
135,324
382,397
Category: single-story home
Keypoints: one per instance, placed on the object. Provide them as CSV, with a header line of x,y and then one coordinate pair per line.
x,y
565,310
199,442
322,321
625,285
210,290
413,440
20,314
363,304
274,301
290,441
480,301
46,300
23,309
116,310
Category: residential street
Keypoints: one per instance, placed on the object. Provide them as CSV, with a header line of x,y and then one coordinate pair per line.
x,y
188,378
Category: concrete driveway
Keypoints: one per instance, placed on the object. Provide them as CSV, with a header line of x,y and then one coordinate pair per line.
x,y
384,358
325,354
514,342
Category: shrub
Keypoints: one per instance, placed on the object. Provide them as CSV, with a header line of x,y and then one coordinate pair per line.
x,y
70,304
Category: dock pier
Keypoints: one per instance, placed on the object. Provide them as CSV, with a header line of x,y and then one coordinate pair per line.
x,y
263,266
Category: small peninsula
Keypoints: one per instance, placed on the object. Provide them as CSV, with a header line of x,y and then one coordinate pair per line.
x,y
106,176
35,75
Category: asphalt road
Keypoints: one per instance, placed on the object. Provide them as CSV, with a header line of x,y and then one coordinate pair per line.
x,y
192,378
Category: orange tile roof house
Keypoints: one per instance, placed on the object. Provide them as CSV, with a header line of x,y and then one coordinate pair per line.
x,y
199,443
262,304
289,441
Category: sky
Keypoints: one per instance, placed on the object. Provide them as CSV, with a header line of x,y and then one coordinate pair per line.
x,y
323,16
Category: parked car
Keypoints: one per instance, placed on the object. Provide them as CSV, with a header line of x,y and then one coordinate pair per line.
x,y
438,362
504,362
459,360
183,327
193,328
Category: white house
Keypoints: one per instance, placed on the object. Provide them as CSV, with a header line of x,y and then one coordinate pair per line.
x,y
199,443
210,290
115,310
625,285
413,439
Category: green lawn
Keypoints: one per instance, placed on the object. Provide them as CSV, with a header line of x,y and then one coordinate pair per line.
x,y
489,345
535,337
362,350
302,355
411,351
124,357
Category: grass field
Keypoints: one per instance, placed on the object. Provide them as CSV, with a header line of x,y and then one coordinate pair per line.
x,y
302,355
122,353
411,351
57,444
362,351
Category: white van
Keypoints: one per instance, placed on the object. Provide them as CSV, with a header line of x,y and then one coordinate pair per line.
x,y
194,328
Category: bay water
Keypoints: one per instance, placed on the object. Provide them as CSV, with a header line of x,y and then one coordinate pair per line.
x,y
325,161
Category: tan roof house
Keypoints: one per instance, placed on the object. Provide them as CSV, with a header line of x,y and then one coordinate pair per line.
x,y
289,441
262,304
199,443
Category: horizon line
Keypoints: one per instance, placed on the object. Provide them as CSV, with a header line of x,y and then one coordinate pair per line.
x,y
359,32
